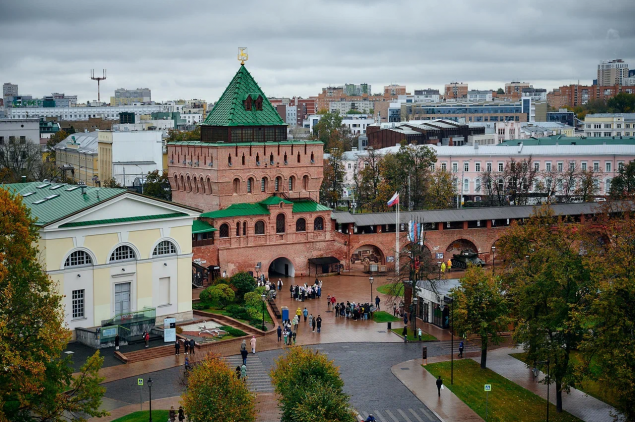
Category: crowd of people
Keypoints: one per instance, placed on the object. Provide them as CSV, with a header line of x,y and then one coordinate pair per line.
x,y
356,311
304,292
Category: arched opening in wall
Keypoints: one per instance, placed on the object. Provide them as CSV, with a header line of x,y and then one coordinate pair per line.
x,y
312,159
224,230
291,183
318,224
463,252
195,180
281,267
305,183
280,223
285,158
259,228
300,225
244,228
250,183
238,229
278,183
202,185
243,159
298,157
209,186
271,159
236,185
365,255
182,183
264,184
229,160
176,182
189,184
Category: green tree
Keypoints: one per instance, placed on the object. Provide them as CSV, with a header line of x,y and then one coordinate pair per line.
x,y
333,183
545,275
623,185
215,394
500,91
157,185
243,283
480,307
408,171
367,182
35,383
175,135
111,183
330,131
55,139
220,294
622,103
20,158
310,388
442,190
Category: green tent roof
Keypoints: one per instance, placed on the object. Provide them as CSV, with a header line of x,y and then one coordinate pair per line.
x,y
199,226
261,208
230,111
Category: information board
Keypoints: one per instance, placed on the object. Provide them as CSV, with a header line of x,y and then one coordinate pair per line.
x,y
169,330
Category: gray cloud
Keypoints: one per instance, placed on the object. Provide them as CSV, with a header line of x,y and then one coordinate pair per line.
x,y
188,50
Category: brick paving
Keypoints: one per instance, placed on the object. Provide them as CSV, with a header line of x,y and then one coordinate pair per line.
x,y
576,402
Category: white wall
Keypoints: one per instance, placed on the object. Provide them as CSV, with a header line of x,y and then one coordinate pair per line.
x,y
29,128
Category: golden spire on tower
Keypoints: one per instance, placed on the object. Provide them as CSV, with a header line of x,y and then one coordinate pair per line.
x,y
242,55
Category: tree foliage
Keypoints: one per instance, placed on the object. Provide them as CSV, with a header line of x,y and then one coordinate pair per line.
x,y
332,188
480,307
215,394
442,190
55,139
623,185
244,283
35,383
157,185
175,135
310,388
220,294
621,103
24,158
368,181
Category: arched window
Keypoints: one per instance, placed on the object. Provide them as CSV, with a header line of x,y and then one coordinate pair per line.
x,y
280,223
263,184
224,230
271,159
195,184
300,225
285,158
260,227
189,184
257,159
243,159
165,247
202,185
123,253
305,182
238,228
229,160
312,158
291,183
318,224
236,185
182,183
176,182
244,228
278,183
250,183
77,259
209,186
298,157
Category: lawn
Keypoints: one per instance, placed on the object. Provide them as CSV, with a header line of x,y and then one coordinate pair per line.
x,y
589,386
424,336
381,316
386,289
143,416
244,321
506,402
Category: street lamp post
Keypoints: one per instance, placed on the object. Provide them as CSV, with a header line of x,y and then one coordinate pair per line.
x,y
264,328
371,279
413,315
493,259
451,302
150,390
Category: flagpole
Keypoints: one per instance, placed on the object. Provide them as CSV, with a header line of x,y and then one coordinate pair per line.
x,y
397,241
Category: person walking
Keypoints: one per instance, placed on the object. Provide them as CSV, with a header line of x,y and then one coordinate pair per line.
x,y
279,284
311,320
439,385
294,335
461,349
177,347
243,372
146,337
298,313
238,374
314,324
377,300
285,336
186,346
117,342
253,344
319,323
394,309
192,347
279,330
244,353
172,414
305,312
328,302
181,414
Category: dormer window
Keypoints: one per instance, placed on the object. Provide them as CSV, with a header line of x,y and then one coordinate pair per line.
x,y
248,103
259,103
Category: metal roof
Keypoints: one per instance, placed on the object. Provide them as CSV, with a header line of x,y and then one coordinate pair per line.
x,y
86,142
464,214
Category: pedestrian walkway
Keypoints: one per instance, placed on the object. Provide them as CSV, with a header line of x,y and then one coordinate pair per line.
x,y
417,414
576,402
258,379
422,384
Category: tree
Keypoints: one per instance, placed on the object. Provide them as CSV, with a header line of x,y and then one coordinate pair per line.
x,y
111,183
622,103
221,294
215,394
333,183
609,342
175,135
368,180
35,383
328,130
20,158
243,283
442,190
310,388
500,91
623,185
158,185
55,139
480,307
545,275
588,185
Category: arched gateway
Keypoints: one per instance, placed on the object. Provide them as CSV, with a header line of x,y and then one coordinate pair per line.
x,y
281,267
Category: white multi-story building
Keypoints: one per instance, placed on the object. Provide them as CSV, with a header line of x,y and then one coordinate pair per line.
x,y
427,96
479,96
344,107
507,131
609,125
19,130
292,115
356,123
84,113
192,118
612,72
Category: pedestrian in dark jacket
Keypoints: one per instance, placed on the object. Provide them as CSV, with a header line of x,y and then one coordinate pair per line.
x,y
192,346
439,385
244,354
181,414
279,330
314,323
461,349
177,347
186,346
319,323
377,300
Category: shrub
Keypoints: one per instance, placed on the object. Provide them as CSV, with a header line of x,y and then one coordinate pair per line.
x,y
214,393
220,294
233,331
244,283
200,306
310,388
238,312
253,299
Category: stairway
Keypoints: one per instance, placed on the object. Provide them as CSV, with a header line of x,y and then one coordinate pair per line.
x,y
258,379
151,353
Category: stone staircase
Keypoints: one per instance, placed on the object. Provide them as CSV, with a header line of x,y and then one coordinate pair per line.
x,y
258,379
150,353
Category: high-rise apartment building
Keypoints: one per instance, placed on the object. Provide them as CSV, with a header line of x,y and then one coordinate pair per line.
x,y
455,90
612,72
392,91
357,90
9,91
512,88
129,96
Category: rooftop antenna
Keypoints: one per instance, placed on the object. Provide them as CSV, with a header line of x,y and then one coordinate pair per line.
x,y
98,79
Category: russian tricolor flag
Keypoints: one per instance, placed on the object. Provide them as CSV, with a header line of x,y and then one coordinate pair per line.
x,y
394,200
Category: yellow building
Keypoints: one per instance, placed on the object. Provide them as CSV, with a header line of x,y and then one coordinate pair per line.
x,y
114,254
76,156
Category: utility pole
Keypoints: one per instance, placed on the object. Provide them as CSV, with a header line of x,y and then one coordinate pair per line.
x,y
98,79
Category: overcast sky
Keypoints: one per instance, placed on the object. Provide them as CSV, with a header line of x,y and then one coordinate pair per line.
x,y
188,49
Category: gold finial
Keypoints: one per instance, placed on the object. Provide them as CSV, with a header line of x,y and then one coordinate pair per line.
x,y
242,55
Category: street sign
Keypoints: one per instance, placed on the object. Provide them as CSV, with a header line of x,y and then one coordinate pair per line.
x,y
139,381
488,387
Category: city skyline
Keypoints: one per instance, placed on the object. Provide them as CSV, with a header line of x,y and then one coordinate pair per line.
x,y
297,50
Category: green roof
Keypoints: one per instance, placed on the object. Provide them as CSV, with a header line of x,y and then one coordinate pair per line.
x,y
261,208
62,201
230,110
124,219
569,140
199,226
